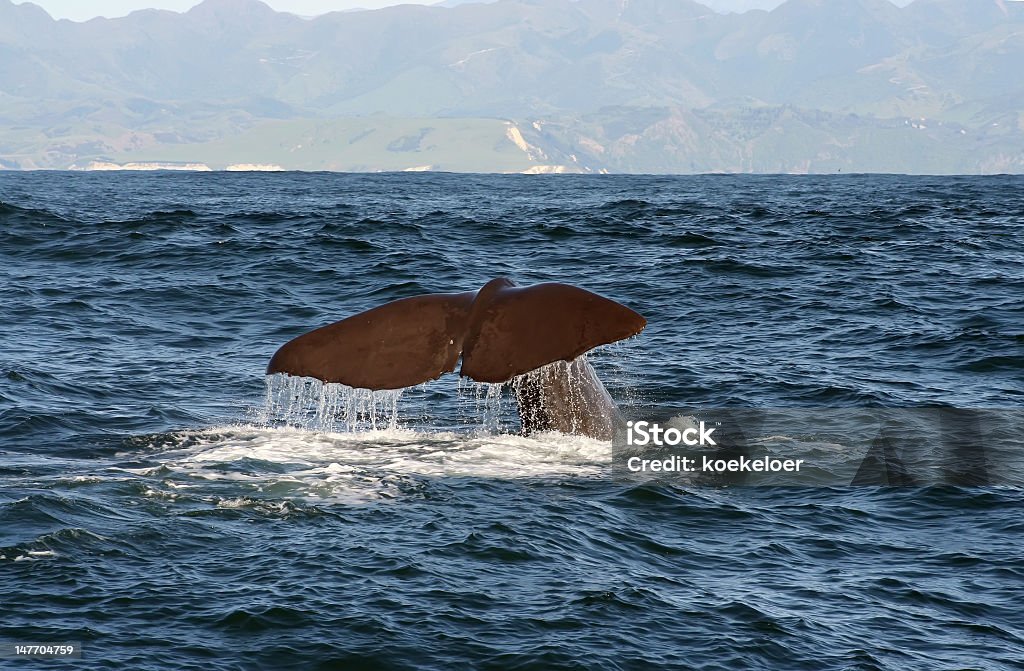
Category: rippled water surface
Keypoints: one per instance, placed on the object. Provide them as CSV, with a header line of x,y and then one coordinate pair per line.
x,y
162,503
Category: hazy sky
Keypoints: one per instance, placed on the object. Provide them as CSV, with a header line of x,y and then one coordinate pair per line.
x,y
79,10
83,10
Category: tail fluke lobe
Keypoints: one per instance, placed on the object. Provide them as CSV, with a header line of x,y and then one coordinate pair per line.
x,y
399,344
518,329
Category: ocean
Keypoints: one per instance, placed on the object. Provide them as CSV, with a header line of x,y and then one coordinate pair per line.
x,y
165,505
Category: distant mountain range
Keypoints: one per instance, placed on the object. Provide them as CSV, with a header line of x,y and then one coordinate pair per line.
x,y
522,85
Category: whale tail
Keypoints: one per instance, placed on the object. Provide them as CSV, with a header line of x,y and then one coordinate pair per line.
x,y
500,332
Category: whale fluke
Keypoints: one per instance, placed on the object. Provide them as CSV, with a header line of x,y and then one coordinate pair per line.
x,y
501,331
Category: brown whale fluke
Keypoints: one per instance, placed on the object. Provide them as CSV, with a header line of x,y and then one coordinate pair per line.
x,y
501,331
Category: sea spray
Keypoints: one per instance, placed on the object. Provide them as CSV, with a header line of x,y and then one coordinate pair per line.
x,y
308,403
485,405
495,411
565,396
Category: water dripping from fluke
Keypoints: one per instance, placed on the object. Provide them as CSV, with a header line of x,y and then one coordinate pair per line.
x,y
561,396
307,403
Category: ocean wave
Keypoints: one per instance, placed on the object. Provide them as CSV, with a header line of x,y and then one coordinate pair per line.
x,y
156,506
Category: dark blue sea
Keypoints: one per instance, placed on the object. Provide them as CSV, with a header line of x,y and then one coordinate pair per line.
x,y
167,506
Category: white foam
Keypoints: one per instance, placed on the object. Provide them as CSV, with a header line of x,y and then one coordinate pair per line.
x,y
329,441
403,450
33,555
360,466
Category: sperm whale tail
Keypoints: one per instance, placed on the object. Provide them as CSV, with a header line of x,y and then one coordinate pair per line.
x,y
500,331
